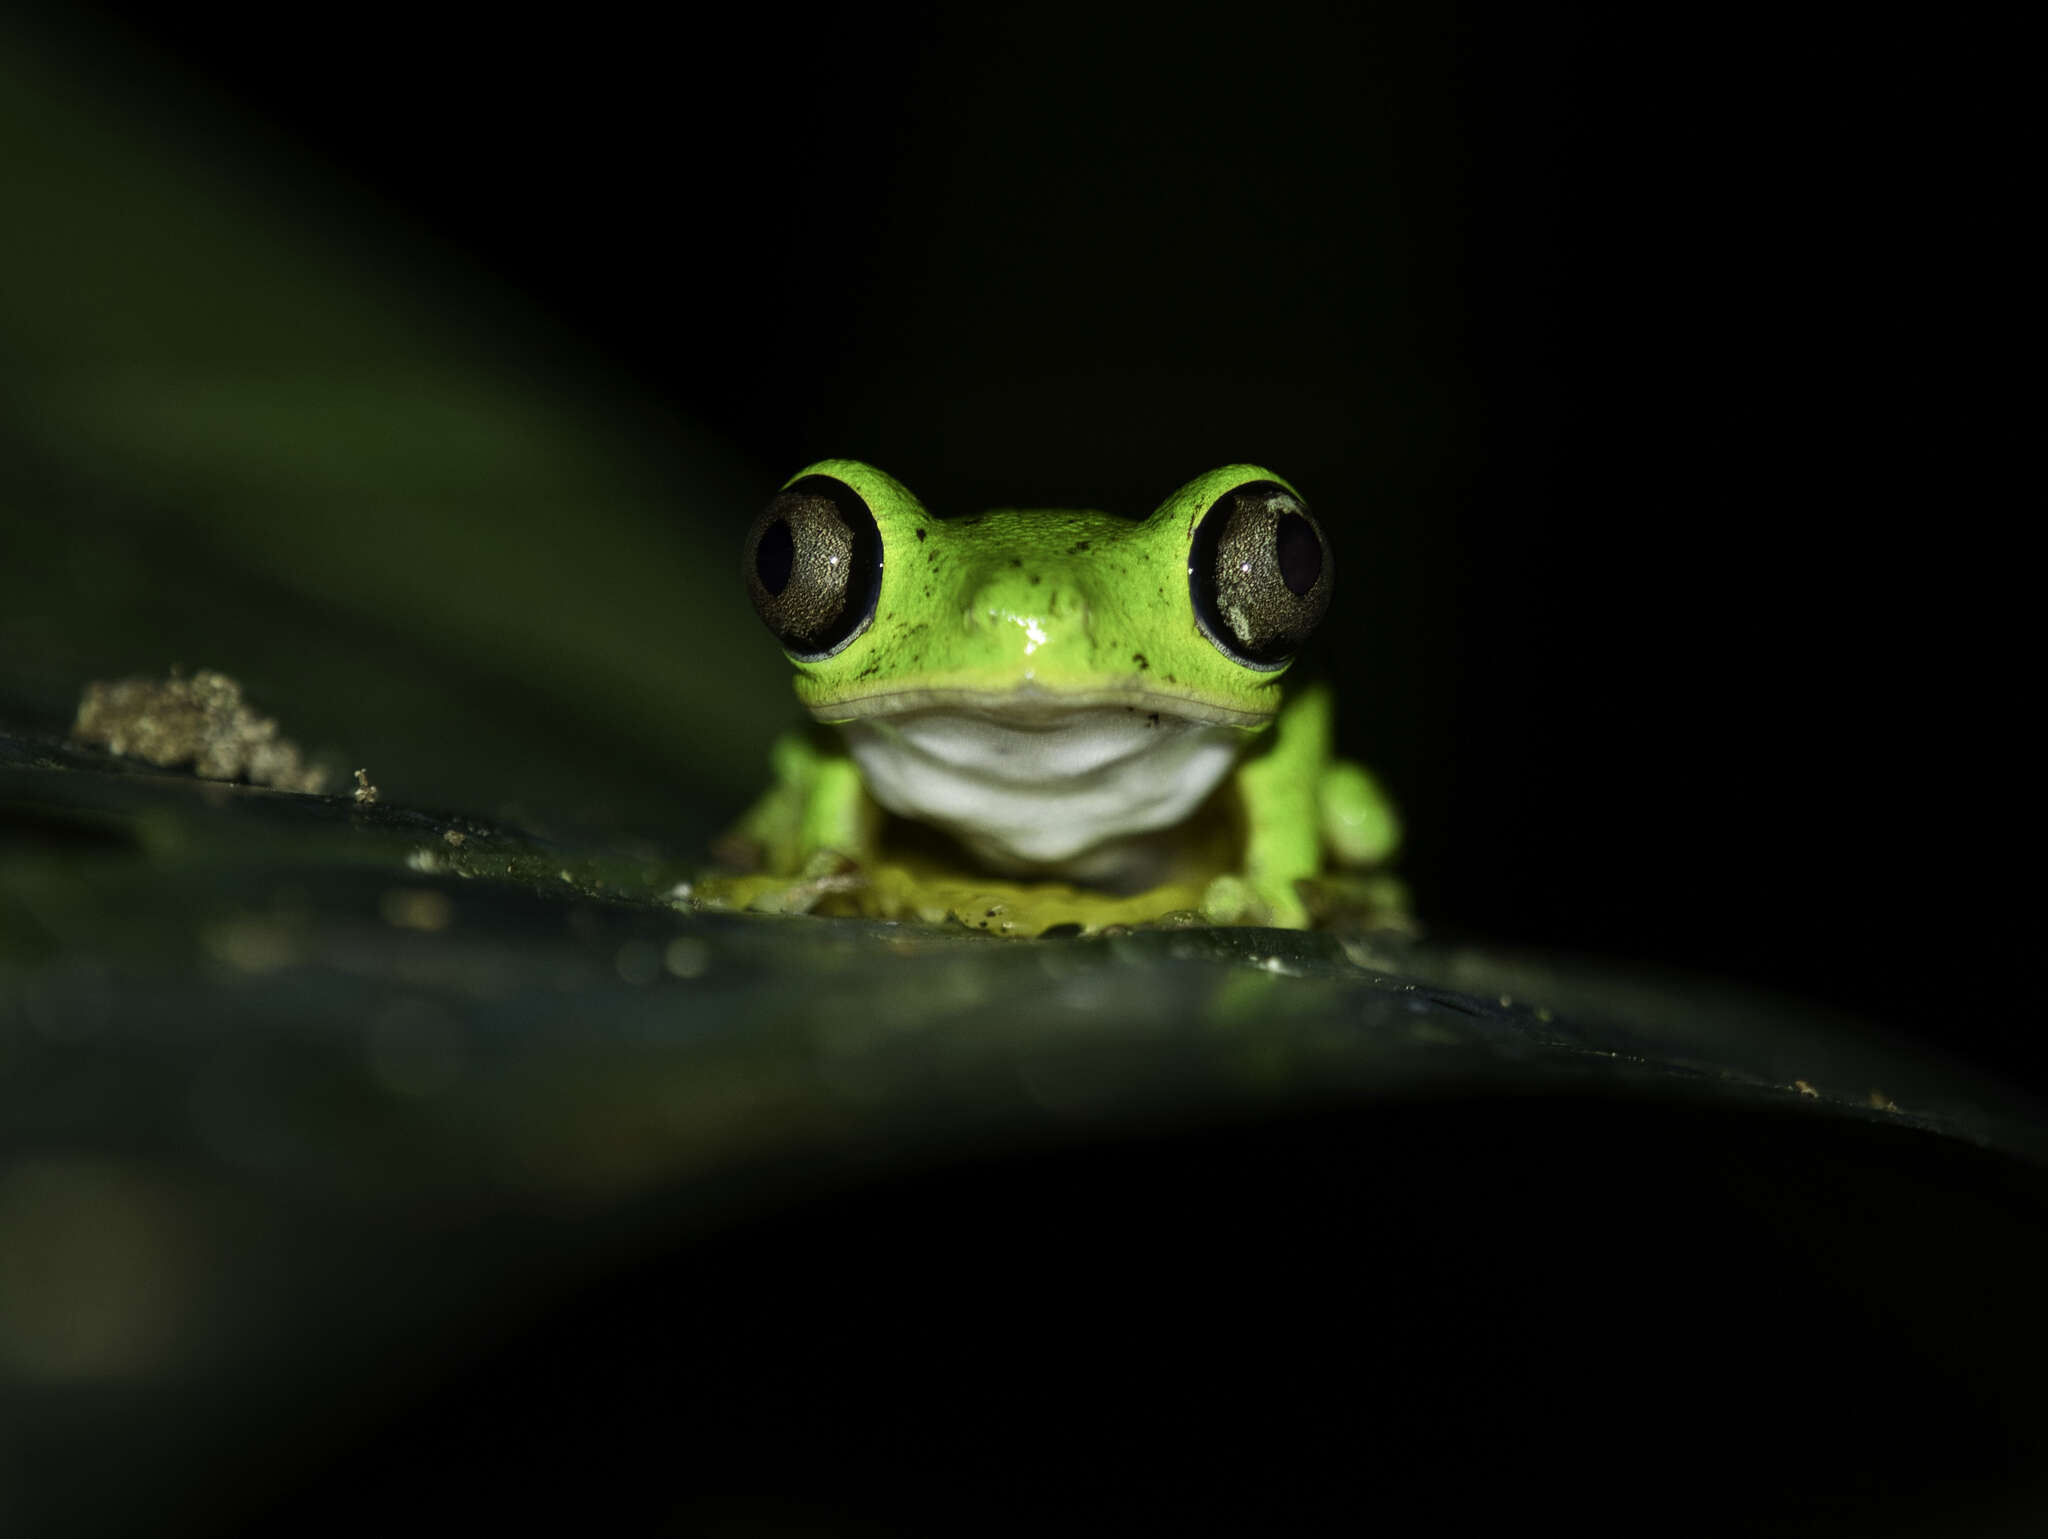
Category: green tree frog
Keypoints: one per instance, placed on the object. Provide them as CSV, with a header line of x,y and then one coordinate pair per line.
x,y
1053,719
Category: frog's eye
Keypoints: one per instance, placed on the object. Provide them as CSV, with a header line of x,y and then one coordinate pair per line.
x,y
813,566
1260,574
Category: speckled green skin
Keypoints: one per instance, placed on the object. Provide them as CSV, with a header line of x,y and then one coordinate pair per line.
x,y
1007,607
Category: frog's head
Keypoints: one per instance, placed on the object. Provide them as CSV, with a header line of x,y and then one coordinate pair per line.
x,y
1194,612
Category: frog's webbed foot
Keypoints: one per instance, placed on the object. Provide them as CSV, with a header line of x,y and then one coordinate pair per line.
x,y
826,876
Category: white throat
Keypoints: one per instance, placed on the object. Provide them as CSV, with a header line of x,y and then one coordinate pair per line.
x,y
1041,790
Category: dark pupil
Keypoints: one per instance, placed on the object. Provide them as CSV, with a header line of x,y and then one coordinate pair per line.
x,y
775,556
1298,551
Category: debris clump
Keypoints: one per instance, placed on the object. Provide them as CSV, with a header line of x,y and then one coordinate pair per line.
x,y
201,721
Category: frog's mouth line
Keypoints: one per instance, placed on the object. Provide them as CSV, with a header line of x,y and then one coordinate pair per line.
x,y
1026,708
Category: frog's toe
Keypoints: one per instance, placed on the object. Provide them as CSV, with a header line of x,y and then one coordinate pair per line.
x,y
1232,899
1359,823
1238,900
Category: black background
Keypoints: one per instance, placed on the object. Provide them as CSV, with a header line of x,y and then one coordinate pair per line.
x,y
1645,367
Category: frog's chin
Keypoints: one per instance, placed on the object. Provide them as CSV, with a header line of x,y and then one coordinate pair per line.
x,y
1034,708
1044,785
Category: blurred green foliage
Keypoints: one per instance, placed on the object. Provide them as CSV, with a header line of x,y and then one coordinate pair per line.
x,y
252,420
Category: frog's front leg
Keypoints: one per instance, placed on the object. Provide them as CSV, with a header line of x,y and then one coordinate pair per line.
x,y
815,806
1299,805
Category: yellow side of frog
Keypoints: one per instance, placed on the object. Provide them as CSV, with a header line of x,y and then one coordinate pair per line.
x,y
1033,720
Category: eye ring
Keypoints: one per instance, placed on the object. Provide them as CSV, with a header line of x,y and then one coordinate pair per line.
x,y
813,567
1260,574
